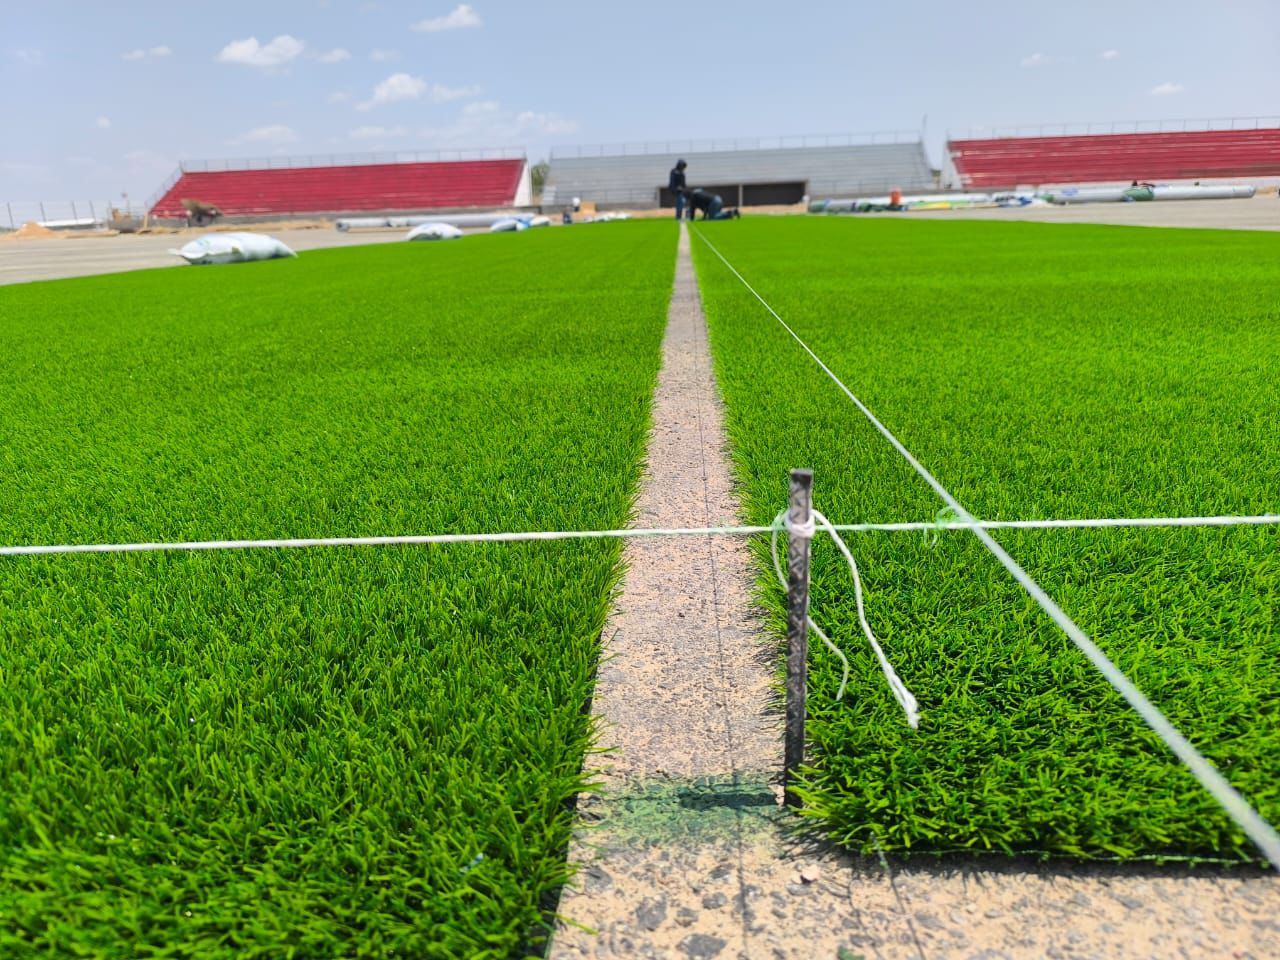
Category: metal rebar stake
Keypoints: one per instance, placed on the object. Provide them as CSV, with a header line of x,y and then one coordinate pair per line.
x,y
799,537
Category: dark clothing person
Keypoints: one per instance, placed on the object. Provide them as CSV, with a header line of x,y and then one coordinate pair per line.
x,y
711,205
677,187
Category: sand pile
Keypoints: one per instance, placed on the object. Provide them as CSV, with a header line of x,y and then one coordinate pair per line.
x,y
31,231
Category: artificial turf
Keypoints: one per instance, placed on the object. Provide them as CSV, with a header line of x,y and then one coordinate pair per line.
x,y
1037,371
326,752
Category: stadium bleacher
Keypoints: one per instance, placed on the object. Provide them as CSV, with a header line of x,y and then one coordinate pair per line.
x,y
348,188
743,172
1006,162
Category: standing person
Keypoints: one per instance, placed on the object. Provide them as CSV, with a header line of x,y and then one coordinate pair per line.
x,y
711,205
676,185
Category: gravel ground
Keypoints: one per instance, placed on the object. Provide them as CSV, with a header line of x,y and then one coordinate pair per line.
x,y
685,852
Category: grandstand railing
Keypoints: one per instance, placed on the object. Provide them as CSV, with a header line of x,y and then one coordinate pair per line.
x,y
1095,127
14,213
165,187
351,159
724,145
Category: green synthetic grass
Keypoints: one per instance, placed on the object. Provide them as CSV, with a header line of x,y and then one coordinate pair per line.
x,y
330,752
1037,371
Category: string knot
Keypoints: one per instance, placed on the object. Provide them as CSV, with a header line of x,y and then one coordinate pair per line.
x,y
899,689
802,531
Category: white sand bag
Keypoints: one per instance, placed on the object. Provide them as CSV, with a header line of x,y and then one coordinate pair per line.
x,y
434,231
538,221
232,248
509,225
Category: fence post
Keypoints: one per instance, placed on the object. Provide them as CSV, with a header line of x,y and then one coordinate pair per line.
x,y
799,537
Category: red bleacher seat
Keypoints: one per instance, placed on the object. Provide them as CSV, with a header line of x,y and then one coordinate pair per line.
x,y
348,189
1110,158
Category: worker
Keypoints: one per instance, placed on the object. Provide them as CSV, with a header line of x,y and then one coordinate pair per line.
x,y
711,205
676,185
198,213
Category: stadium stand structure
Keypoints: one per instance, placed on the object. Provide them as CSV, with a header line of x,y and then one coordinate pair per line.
x,y
1246,150
355,184
744,172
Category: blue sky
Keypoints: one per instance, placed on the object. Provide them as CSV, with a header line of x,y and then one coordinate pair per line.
x,y
106,97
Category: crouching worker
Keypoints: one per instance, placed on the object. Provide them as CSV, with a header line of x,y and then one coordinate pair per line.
x,y
711,205
199,214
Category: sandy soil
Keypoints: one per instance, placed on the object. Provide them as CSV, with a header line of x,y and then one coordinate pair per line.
x,y
1259,213
222,226
685,851
30,231
82,255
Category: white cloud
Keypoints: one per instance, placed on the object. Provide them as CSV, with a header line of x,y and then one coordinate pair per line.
x,y
401,86
394,89
340,96
102,123
336,55
1166,89
151,53
487,121
374,133
276,134
250,53
31,57
1109,55
1036,60
383,56
548,123
460,17
442,94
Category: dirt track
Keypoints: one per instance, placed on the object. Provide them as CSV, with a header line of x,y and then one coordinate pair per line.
x,y
86,255
1260,213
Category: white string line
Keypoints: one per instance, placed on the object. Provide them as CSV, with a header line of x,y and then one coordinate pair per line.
x,y
1261,519
627,532
1239,809
436,538
900,692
